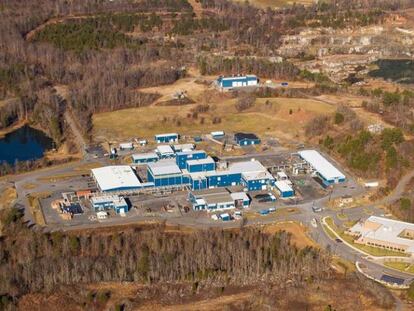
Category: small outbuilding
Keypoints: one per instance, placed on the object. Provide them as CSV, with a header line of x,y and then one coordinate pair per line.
x,y
103,203
284,189
165,152
217,134
229,83
166,138
246,139
145,157
126,146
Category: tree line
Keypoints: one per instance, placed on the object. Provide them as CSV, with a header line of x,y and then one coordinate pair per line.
x,y
151,255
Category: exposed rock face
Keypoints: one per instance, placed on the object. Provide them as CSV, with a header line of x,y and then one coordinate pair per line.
x,y
339,53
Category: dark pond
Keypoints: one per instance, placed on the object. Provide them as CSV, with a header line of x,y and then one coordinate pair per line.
x,y
25,143
397,70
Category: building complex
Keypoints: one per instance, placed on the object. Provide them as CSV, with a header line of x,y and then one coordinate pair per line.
x,y
385,233
196,171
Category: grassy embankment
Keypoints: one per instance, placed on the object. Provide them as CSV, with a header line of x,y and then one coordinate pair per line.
x,y
402,266
83,169
271,118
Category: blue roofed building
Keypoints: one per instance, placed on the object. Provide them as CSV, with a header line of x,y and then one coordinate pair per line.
x,y
228,83
246,139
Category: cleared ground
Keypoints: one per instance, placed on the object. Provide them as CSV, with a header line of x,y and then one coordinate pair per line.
x,y
7,197
270,116
297,231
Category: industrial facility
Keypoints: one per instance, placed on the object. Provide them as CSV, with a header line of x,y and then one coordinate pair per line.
x,y
116,178
323,169
194,170
218,199
385,233
228,83
107,202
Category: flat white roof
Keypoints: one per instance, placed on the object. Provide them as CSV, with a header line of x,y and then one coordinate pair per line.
x,y
105,198
165,149
190,152
142,156
388,230
283,186
164,167
238,77
116,177
321,165
126,145
257,175
281,175
208,160
239,196
183,147
246,166
217,133
167,134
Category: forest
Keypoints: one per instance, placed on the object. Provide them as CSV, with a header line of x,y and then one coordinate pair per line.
x,y
107,50
151,255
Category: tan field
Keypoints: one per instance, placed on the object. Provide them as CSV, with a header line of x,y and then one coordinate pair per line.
x,y
7,197
187,85
275,3
273,118
298,232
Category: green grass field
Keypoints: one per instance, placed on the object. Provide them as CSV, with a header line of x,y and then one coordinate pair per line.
x,y
402,266
272,118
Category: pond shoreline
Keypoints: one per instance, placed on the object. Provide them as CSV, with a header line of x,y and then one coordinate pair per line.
x,y
12,128
24,143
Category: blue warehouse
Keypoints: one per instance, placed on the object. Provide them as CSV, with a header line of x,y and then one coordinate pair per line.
x,y
144,158
201,165
166,173
246,139
183,157
166,138
102,203
284,189
229,83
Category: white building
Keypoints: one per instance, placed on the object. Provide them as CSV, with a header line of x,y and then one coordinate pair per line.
x,y
116,178
385,233
328,173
